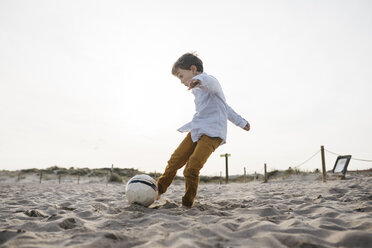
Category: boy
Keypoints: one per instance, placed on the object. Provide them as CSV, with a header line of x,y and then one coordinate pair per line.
x,y
206,131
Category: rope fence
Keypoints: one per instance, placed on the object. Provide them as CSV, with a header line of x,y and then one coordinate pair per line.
x,y
307,160
352,158
295,169
311,157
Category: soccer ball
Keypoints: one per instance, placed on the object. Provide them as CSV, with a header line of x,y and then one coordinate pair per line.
x,y
141,189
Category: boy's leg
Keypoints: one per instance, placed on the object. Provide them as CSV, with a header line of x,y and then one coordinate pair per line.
x,y
204,148
176,161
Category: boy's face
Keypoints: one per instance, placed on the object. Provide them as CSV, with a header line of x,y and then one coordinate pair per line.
x,y
185,75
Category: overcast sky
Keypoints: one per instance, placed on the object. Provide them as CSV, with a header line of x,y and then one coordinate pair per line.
x,y
88,83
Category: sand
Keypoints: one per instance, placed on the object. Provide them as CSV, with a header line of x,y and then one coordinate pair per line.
x,y
293,212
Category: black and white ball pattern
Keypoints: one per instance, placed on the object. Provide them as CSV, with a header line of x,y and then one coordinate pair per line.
x,y
141,189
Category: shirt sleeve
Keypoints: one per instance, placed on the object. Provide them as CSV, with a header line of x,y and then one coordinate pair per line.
x,y
208,83
235,118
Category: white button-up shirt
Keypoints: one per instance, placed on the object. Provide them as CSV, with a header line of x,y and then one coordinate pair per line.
x,y
212,111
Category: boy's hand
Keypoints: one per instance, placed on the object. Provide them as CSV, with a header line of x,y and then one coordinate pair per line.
x,y
193,83
247,127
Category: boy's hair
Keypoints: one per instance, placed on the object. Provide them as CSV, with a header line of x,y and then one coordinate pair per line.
x,y
186,61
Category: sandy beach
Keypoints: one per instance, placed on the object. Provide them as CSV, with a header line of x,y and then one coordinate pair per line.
x,y
299,211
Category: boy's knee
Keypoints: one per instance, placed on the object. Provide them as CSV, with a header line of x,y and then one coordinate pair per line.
x,y
194,165
191,173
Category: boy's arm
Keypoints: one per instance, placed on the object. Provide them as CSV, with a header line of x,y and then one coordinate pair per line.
x,y
237,119
194,82
204,82
210,83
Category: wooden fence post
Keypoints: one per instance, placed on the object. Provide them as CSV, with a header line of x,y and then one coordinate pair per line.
x,y
226,155
323,164
265,176
255,176
245,176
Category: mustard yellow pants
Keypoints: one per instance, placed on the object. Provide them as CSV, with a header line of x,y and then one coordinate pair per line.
x,y
194,155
